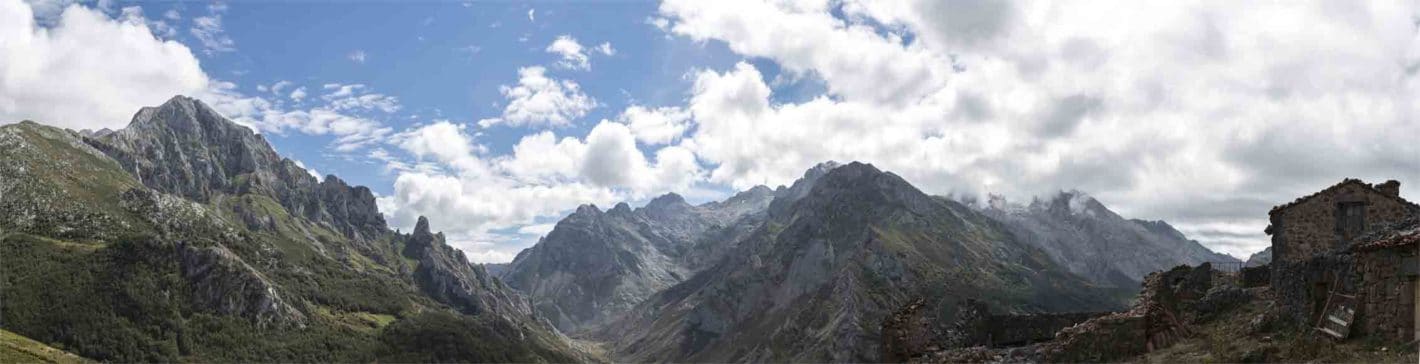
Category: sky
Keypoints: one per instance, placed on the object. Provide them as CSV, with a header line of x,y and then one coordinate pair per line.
x,y
496,119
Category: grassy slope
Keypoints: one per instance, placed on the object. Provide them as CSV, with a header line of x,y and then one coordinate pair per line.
x,y
19,349
104,285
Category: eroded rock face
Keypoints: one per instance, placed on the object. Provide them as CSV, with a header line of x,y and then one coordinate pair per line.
x,y
186,148
224,284
595,265
445,274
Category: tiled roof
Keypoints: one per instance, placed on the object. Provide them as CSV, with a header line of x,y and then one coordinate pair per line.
x,y
1338,185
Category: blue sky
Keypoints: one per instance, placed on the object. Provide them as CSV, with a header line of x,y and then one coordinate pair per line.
x,y
446,60
495,119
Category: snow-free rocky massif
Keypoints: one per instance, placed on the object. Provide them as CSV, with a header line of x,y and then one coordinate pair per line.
x,y
809,271
185,237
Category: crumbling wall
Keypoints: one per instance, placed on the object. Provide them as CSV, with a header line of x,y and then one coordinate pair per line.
x,y
1386,294
1301,288
1015,330
915,329
1256,276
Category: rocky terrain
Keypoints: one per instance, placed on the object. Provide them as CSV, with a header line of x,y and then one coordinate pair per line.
x,y
833,254
1081,234
595,265
184,237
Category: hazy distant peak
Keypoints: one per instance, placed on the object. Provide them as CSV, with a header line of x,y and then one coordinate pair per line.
x,y
587,209
667,200
621,208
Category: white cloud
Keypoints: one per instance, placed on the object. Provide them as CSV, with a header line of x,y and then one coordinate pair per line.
x,y
1190,112
542,178
654,126
357,56
312,171
537,229
346,112
209,32
571,52
298,94
605,49
357,97
68,75
538,100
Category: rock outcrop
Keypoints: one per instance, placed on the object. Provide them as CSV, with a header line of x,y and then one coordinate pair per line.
x,y
445,274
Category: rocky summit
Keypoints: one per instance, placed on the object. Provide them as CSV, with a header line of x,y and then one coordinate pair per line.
x,y
186,237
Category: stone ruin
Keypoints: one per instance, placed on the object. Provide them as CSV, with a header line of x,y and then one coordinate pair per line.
x,y
1380,270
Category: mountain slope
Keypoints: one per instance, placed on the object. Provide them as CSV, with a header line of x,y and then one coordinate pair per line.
x,y
19,349
595,265
1081,234
834,254
185,237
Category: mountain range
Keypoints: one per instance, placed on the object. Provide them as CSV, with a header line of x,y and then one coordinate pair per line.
x,y
803,272
186,237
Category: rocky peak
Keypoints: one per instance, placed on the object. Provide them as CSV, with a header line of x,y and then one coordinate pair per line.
x,y
421,227
666,201
587,209
1067,203
621,209
667,204
186,148
784,196
860,180
1160,227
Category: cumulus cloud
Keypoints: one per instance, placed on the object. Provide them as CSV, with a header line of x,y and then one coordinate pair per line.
x,y
1202,114
479,194
87,71
571,52
538,100
298,94
574,55
654,126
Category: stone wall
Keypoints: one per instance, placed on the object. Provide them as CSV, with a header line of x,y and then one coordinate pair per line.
x,y
1387,295
1015,330
1301,288
1308,226
1256,276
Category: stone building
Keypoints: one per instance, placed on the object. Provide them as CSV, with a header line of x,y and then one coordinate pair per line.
x,y
1331,219
1336,241
1388,290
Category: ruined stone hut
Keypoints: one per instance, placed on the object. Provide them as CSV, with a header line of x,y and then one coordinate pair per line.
x,y
1330,242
